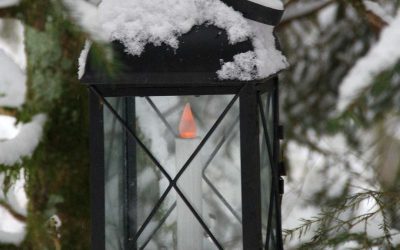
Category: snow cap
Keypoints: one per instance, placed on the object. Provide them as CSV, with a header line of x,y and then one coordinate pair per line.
x,y
189,41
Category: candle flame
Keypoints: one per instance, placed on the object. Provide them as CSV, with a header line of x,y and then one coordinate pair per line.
x,y
187,125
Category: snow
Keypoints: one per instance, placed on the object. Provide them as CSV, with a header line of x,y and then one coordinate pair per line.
x,y
8,3
243,67
12,83
86,15
12,41
12,231
23,144
16,140
56,221
327,15
82,59
136,23
16,196
263,62
269,60
383,55
8,130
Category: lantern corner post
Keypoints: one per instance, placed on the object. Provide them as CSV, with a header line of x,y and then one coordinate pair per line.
x,y
97,187
130,175
250,168
279,182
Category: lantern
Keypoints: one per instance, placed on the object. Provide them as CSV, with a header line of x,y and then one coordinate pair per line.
x,y
179,158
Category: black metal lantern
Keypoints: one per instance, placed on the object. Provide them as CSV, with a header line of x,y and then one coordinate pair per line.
x,y
179,159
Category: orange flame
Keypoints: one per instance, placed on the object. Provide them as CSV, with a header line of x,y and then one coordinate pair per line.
x,y
187,125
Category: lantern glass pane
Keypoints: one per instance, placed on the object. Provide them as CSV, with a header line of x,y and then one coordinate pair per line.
x,y
114,158
219,165
143,210
266,142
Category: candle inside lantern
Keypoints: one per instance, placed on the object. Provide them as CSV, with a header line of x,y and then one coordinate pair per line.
x,y
189,230
187,126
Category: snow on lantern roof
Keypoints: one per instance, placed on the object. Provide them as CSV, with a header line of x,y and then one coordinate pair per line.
x,y
161,41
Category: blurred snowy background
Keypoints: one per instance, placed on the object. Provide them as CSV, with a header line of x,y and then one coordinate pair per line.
x,y
340,105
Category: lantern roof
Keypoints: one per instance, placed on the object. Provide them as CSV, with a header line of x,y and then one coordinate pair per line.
x,y
206,53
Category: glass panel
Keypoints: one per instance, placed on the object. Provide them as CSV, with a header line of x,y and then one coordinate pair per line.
x,y
273,220
114,161
218,163
161,231
222,176
143,210
266,142
151,184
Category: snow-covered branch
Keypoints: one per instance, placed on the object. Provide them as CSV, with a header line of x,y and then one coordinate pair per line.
x,y
381,57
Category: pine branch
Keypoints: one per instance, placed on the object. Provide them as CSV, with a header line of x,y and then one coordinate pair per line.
x,y
328,221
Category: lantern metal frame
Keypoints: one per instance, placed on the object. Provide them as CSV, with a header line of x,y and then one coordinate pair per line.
x,y
251,111
191,70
